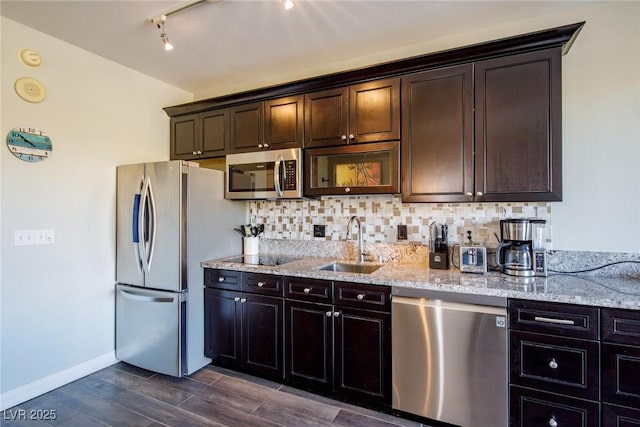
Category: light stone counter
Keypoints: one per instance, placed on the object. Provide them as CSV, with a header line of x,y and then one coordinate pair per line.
x,y
412,278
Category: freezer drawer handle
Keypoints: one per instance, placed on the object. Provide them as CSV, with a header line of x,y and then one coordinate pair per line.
x,y
146,298
551,320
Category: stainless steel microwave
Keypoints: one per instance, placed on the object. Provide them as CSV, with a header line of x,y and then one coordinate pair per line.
x,y
274,174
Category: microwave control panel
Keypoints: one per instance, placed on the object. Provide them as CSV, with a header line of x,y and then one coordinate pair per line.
x,y
290,175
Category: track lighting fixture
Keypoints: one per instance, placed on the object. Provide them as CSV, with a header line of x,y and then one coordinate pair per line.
x,y
288,4
163,36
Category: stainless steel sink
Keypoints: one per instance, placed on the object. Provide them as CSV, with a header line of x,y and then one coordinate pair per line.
x,y
344,267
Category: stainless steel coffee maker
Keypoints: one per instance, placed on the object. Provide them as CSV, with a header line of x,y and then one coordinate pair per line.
x,y
522,249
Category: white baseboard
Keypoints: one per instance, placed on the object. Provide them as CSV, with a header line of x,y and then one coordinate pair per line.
x,y
36,388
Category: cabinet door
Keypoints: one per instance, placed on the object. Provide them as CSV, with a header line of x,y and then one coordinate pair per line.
x,y
215,135
518,127
185,132
362,363
374,111
223,333
308,346
437,135
620,417
326,116
530,408
246,127
262,334
621,375
284,122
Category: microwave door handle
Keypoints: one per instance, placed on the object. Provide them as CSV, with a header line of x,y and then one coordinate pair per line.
x,y
277,177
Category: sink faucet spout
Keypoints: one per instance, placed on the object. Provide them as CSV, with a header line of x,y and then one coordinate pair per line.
x,y
360,242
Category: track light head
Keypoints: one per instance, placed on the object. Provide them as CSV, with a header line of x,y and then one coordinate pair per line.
x,y
163,36
288,4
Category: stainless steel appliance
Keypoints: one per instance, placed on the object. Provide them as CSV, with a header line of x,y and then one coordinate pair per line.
x,y
473,259
170,217
272,174
521,252
449,360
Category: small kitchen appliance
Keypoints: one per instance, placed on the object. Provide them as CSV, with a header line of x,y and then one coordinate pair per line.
x,y
438,248
519,253
473,259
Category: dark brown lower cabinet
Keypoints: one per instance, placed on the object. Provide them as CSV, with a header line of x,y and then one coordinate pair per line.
x,y
617,416
244,331
533,408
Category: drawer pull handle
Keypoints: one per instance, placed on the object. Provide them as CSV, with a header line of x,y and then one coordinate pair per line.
x,y
261,284
551,320
553,422
236,299
553,364
360,297
328,314
220,279
306,290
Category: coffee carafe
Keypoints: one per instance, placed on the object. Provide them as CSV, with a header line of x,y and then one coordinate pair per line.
x,y
521,251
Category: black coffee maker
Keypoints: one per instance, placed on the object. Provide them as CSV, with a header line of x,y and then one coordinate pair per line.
x,y
521,251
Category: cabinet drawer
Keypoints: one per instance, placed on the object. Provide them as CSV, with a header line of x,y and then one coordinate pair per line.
x,y
222,279
311,290
371,297
620,417
553,318
621,326
262,284
621,375
562,365
531,408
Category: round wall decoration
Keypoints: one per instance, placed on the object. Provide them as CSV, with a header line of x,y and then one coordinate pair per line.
x,y
29,57
29,144
30,89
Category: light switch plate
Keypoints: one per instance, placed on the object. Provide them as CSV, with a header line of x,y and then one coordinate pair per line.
x,y
44,237
23,237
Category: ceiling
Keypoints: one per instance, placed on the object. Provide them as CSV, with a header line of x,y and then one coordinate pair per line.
x,y
235,45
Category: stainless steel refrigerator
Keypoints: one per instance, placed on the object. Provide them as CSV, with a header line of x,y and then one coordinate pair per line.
x,y
170,217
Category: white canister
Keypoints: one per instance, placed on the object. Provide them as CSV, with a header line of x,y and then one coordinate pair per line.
x,y
251,245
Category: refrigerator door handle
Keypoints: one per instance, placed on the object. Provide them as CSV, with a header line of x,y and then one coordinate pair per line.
x,y
277,179
153,223
143,225
135,230
145,298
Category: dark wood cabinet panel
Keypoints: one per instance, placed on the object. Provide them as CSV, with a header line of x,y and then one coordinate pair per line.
x,y
184,134
284,122
437,135
262,335
222,279
308,290
215,134
268,284
621,374
617,416
559,364
621,326
518,132
366,112
358,295
532,408
246,123
223,327
198,136
361,333
308,344
555,318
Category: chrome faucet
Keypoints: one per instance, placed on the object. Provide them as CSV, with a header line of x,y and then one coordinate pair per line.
x,y
361,252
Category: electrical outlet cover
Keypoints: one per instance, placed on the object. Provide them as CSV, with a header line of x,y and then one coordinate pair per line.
x,y
402,232
318,231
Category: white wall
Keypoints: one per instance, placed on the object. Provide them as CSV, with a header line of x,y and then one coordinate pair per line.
x,y
57,312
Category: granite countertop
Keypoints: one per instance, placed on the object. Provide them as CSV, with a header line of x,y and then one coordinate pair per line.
x,y
408,278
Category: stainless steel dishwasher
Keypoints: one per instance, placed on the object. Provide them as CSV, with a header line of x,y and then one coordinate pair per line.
x,y
450,357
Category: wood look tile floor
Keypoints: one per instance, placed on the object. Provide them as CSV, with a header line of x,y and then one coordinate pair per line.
x,y
123,395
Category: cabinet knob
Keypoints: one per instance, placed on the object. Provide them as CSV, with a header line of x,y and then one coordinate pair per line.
x,y
479,193
194,152
306,290
553,364
260,146
261,284
198,152
351,137
360,297
343,137
347,190
243,300
469,193
220,279
328,314
336,314
265,145
236,299
553,422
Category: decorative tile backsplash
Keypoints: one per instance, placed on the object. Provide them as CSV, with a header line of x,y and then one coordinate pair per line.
x,y
380,216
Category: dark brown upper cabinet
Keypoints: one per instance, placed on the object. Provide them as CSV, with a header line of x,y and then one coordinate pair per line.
x,y
272,124
202,135
437,135
518,127
365,112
